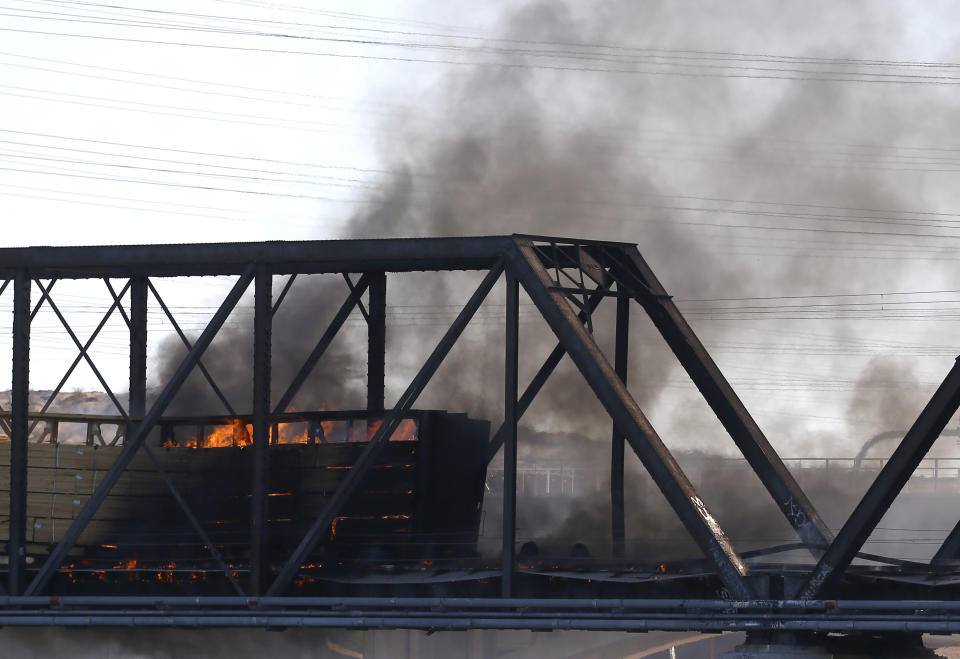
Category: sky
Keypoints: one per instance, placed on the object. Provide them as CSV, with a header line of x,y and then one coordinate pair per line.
x,y
789,169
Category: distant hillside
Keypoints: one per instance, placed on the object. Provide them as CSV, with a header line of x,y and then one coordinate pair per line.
x,y
68,402
72,402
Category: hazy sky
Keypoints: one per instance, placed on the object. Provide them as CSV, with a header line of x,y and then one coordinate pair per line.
x,y
789,168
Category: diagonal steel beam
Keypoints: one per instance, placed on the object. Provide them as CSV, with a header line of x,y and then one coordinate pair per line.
x,y
543,374
283,294
139,403
194,521
83,350
630,420
733,415
351,286
117,298
328,336
886,486
43,297
370,454
189,346
949,551
69,539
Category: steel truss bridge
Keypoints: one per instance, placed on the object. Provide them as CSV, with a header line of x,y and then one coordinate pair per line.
x,y
566,280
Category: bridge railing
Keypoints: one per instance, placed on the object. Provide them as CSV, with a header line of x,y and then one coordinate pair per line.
x,y
561,478
290,427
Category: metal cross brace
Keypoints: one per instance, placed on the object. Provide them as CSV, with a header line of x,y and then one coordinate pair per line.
x,y
189,346
328,336
130,448
84,347
368,457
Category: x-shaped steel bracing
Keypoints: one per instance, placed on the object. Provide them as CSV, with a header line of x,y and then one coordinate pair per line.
x,y
566,280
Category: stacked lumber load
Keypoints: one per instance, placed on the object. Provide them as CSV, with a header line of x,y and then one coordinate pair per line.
x,y
421,501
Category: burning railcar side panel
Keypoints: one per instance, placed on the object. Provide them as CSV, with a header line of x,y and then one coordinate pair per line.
x,y
403,512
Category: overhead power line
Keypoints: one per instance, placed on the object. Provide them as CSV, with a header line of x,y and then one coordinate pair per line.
x,y
566,46
700,70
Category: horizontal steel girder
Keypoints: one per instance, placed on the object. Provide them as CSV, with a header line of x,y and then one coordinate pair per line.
x,y
317,256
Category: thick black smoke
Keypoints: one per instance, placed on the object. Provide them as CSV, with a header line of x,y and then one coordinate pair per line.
x,y
658,153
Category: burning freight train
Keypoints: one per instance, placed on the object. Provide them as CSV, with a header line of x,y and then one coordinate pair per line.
x,y
420,503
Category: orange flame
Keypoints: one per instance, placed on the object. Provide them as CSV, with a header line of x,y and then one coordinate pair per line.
x,y
288,431
236,434
406,431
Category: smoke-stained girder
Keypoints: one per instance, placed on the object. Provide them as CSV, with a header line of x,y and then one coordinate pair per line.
x,y
565,279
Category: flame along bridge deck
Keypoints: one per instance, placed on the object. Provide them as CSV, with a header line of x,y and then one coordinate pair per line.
x,y
421,502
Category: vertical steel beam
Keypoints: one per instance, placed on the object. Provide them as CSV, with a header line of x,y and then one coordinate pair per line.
x,y
728,407
262,330
629,418
622,342
130,448
887,485
510,435
20,402
138,349
369,456
376,340
542,375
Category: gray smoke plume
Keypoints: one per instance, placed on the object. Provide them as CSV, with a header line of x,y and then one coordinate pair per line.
x,y
658,147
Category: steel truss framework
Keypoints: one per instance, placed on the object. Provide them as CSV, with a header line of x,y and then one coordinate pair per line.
x,y
566,280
